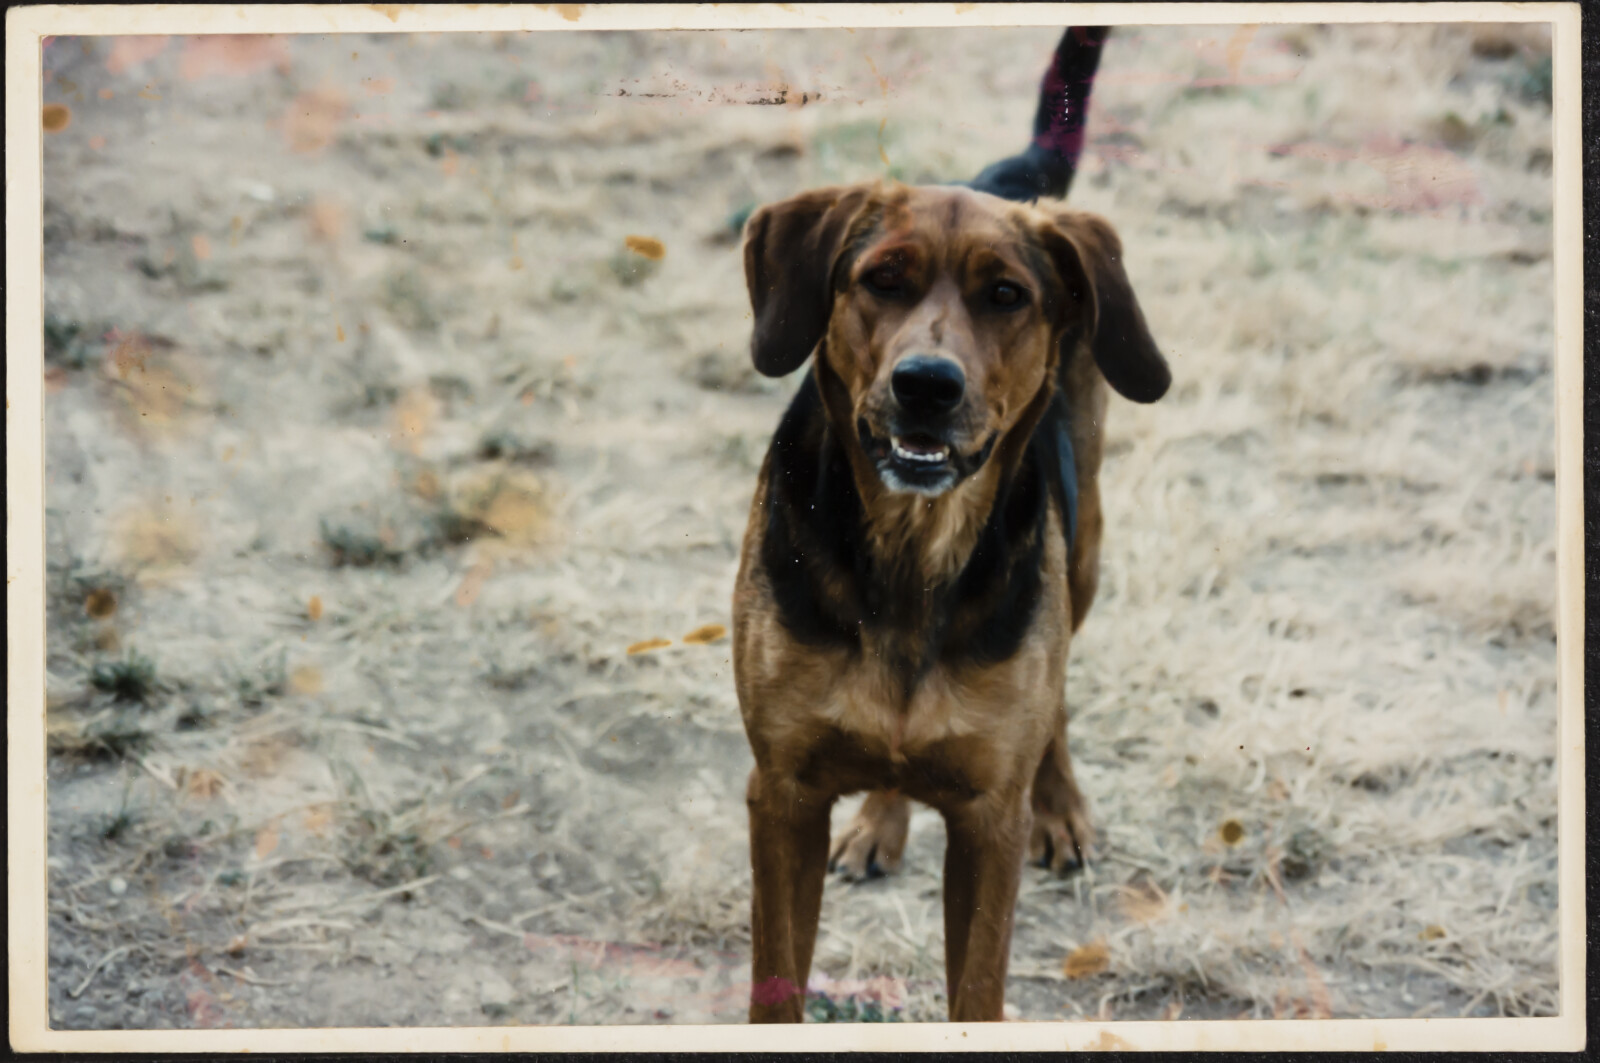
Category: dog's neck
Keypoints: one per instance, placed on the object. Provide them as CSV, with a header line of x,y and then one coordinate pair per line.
x,y
907,579
939,533
928,538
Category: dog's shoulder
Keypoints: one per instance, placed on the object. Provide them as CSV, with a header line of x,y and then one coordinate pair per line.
x,y
811,528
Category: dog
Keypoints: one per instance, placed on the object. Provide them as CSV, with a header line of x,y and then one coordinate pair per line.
x,y
924,539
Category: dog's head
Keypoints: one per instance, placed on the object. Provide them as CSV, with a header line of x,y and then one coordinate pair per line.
x,y
942,312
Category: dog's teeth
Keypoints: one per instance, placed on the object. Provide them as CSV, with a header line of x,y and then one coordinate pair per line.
x,y
928,457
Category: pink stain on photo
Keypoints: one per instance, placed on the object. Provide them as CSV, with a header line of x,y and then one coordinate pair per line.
x,y
774,990
130,52
222,55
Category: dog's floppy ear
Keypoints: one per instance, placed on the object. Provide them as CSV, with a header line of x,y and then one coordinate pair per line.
x,y
790,249
1088,257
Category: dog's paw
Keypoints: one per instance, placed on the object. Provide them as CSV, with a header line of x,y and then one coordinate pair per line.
x,y
855,857
874,843
1061,842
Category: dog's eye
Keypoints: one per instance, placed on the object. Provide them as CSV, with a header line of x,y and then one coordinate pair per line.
x,y
1007,295
885,280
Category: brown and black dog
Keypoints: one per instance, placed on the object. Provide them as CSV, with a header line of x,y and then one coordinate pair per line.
x,y
907,590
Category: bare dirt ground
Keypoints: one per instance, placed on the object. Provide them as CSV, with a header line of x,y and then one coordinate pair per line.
x,y
373,447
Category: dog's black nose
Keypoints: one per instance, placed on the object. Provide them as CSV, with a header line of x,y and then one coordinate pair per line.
x,y
926,386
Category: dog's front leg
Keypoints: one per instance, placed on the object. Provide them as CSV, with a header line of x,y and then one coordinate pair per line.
x,y
789,855
982,870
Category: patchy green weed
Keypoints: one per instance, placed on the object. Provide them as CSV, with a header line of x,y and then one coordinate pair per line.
x,y
355,548
502,444
271,681
132,679
387,848
67,344
822,1008
409,299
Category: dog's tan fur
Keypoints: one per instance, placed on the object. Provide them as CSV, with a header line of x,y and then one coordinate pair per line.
x,y
984,742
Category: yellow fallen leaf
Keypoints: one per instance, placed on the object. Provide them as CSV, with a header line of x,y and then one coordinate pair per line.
x,y
317,819
1144,903
204,783
414,415
312,121
266,841
648,246
647,645
157,539
314,607
306,680
100,604
1432,932
1087,960
704,633
472,583
130,353
514,504
1321,999
1231,831
154,393
518,510
426,484
263,756
326,219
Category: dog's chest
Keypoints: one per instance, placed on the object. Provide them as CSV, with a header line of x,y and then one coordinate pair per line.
x,y
947,741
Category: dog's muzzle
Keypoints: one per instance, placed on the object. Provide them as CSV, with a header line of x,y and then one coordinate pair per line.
x,y
918,451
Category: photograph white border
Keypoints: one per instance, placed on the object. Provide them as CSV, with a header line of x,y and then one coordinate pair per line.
x,y
25,804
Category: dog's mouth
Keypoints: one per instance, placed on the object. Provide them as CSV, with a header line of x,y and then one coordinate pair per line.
x,y
920,462
918,451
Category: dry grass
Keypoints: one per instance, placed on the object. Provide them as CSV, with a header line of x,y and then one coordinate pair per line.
x,y
415,374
